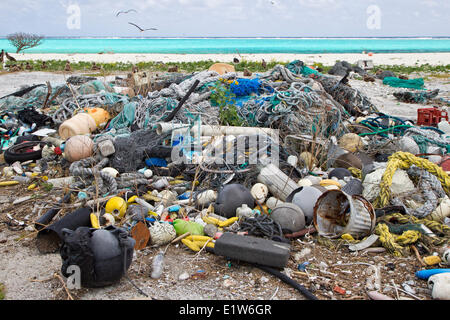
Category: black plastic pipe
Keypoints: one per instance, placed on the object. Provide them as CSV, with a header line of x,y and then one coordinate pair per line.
x,y
180,104
289,281
308,294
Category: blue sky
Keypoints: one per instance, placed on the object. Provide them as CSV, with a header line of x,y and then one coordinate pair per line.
x,y
228,18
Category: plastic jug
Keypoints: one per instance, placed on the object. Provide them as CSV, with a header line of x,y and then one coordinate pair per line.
x,y
81,123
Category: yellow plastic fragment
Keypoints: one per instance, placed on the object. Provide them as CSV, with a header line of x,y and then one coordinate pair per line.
x,y
198,238
228,222
31,186
432,260
211,220
94,221
329,182
201,244
176,182
191,245
8,183
132,199
348,237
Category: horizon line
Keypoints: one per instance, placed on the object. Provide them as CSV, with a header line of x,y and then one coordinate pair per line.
x,y
242,37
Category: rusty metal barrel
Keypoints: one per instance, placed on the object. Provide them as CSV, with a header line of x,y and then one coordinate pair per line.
x,y
337,213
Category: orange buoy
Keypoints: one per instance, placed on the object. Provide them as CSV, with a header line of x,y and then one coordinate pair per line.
x,y
101,116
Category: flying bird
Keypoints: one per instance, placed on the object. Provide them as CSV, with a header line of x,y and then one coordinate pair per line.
x,y
142,30
128,11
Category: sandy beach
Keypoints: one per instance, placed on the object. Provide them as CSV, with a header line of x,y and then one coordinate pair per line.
x,y
329,59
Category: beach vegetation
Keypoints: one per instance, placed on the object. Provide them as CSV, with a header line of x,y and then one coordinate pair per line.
x,y
427,68
196,66
223,98
186,67
22,41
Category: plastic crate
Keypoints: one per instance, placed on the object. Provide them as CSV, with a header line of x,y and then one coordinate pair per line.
x,y
430,116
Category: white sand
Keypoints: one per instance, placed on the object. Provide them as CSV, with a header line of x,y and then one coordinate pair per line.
x,y
408,59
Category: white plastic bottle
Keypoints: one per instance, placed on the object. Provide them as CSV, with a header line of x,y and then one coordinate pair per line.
x,y
157,265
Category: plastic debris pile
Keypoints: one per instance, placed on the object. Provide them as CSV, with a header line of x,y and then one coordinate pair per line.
x,y
212,160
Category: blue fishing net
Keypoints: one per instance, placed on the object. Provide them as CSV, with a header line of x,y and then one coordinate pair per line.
x,y
404,83
94,87
245,87
297,67
125,118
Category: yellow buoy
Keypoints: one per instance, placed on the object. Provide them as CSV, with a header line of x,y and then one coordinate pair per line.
x,y
116,206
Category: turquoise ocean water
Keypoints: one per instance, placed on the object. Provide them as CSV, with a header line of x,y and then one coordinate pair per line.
x,y
234,45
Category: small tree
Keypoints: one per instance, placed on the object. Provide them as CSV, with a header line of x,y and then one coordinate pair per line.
x,y
23,41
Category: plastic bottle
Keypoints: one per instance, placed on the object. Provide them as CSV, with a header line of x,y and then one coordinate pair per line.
x,y
157,265
244,211
144,203
160,184
159,209
22,179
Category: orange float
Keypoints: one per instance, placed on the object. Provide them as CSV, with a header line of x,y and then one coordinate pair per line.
x,y
222,68
101,116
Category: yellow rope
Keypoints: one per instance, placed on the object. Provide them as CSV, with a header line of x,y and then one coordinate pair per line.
x,y
433,225
403,160
357,173
408,237
388,240
394,243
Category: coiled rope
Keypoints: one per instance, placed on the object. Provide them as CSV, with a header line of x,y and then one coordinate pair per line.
x,y
261,225
403,160
395,243
434,226
431,188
